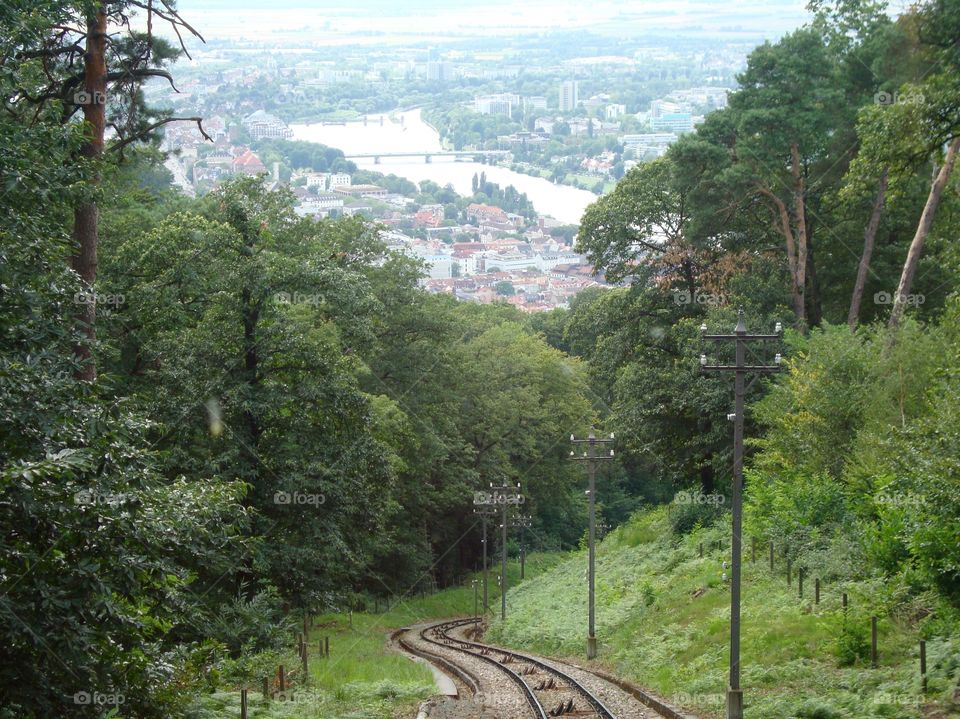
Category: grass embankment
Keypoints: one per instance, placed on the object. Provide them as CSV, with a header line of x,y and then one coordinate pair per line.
x,y
663,623
361,679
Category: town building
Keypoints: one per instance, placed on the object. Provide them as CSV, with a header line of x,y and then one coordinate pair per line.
x,y
261,124
569,95
500,104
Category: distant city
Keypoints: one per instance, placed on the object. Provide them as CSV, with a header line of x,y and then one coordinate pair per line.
x,y
557,114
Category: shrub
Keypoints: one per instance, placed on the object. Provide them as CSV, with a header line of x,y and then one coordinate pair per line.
x,y
851,644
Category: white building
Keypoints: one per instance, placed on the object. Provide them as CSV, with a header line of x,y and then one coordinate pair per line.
x,y
262,124
615,111
439,70
339,179
569,95
501,104
318,179
534,103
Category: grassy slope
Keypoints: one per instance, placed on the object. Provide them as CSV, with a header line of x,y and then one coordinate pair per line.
x,y
663,622
362,679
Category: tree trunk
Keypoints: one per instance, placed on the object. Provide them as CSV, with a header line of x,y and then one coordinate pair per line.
x,y
923,229
707,476
85,220
869,239
796,291
800,213
814,297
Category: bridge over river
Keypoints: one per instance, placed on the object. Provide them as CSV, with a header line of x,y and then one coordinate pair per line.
x,y
428,155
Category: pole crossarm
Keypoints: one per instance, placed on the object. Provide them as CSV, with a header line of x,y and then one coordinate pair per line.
x,y
741,368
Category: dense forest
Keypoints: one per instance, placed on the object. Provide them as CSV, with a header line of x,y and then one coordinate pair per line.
x,y
215,414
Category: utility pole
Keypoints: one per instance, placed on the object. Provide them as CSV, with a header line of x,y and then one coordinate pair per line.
x,y
484,512
741,369
591,457
504,495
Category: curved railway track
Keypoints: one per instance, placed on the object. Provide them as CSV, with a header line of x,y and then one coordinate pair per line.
x,y
549,692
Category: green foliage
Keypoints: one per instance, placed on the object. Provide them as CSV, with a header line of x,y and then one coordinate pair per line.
x,y
852,641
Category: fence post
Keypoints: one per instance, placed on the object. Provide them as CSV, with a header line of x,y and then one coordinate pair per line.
x,y
771,555
701,549
243,704
304,656
266,688
789,572
816,591
326,646
874,657
800,582
844,602
283,679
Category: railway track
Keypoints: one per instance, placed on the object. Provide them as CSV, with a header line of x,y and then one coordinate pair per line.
x,y
548,691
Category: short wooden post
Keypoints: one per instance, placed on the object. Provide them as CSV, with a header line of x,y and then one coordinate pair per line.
x,y
283,679
306,668
816,590
789,572
874,657
243,704
923,666
300,644
844,602
326,646
771,555
701,549
800,582
266,688
351,620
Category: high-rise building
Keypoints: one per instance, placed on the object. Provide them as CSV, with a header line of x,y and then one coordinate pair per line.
x,y
569,91
439,70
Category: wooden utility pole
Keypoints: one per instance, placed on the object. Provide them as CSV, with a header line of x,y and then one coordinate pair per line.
x,y
740,369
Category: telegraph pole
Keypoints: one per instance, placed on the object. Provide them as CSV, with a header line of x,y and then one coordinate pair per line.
x,y
591,457
741,369
504,495
484,512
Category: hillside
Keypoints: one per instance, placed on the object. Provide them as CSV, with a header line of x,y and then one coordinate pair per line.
x,y
663,618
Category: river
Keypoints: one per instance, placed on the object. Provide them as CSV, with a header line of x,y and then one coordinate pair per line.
x,y
413,134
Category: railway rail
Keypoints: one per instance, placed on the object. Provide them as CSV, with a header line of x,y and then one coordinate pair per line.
x,y
549,691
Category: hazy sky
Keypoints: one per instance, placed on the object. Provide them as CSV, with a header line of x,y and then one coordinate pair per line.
x,y
283,20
